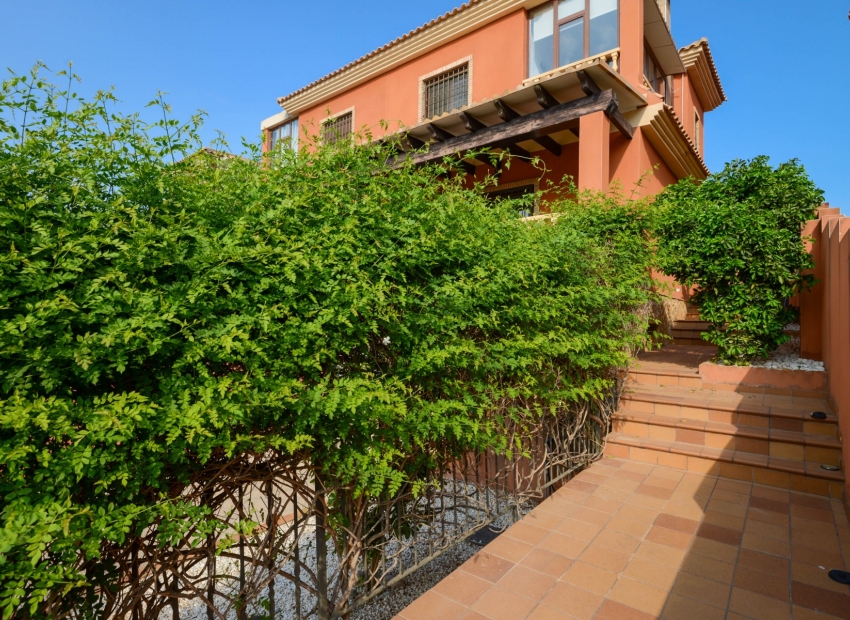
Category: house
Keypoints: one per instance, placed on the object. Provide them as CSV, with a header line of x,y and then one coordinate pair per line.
x,y
596,89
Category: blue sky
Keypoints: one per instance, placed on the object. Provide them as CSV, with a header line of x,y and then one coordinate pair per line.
x,y
784,64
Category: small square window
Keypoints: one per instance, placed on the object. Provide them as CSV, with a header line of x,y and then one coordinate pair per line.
x,y
337,128
447,91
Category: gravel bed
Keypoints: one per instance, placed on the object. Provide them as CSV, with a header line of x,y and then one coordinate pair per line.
x,y
787,357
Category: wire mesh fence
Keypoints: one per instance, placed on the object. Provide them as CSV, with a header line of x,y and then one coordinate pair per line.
x,y
280,542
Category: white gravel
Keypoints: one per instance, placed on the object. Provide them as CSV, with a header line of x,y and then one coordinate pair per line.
x,y
787,357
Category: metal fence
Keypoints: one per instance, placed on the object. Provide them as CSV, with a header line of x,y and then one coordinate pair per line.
x,y
286,544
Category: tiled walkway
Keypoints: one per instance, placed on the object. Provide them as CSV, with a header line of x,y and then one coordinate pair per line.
x,y
631,541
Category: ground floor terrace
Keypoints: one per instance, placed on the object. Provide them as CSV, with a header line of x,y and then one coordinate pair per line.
x,y
626,540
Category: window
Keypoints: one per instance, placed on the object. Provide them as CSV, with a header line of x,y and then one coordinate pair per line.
x,y
584,28
286,134
519,190
337,128
697,131
446,92
653,74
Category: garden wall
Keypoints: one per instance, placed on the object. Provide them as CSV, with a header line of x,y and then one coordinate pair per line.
x,y
825,314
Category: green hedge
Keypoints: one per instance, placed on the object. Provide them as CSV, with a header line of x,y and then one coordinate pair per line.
x,y
157,311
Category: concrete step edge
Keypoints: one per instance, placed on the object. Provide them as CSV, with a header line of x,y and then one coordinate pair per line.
x,y
659,398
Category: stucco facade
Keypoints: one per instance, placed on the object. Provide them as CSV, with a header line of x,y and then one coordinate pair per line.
x,y
490,40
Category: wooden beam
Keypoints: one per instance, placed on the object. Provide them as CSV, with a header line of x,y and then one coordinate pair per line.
x,y
505,112
588,84
471,123
515,149
530,127
544,98
415,143
549,144
468,167
590,87
619,121
438,133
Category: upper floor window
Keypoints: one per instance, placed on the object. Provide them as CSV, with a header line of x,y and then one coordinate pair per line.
x,y
336,128
655,77
562,32
286,134
446,92
697,131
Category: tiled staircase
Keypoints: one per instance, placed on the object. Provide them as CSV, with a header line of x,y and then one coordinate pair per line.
x,y
688,331
669,416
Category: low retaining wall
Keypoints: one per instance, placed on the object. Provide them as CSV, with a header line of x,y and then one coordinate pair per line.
x,y
771,378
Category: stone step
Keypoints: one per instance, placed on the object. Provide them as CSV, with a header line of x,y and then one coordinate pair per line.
x,y
691,342
732,464
692,325
687,334
774,442
789,413
650,376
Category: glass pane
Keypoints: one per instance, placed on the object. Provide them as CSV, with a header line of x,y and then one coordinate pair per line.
x,y
571,42
569,7
541,41
604,26
295,135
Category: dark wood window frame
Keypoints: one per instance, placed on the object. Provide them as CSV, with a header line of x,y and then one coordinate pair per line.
x,y
665,79
441,88
557,23
338,127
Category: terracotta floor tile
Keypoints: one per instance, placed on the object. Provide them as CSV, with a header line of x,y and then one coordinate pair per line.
x,y
755,581
603,505
737,510
777,495
566,546
815,557
671,522
742,488
527,582
588,475
654,491
766,545
719,534
487,566
603,557
693,513
579,529
612,610
715,550
681,608
662,481
661,554
730,496
547,562
462,587
545,520
636,513
764,563
824,540
725,520
709,568
638,468
758,606
801,613
618,482
819,599
812,513
775,532
629,527
631,476
617,541
657,575
645,501
818,577
669,538
542,612
771,505
501,604
432,606
589,577
701,589
570,599
639,595
615,495
473,615
509,548
581,487
811,501
527,533
594,517
766,516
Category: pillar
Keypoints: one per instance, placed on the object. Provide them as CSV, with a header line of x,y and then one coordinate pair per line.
x,y
594,152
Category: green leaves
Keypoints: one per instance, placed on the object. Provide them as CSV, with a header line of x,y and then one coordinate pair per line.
x,y
157,317
736,238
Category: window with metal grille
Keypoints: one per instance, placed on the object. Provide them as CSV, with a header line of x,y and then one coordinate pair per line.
x,y
447,91
335,129
525,208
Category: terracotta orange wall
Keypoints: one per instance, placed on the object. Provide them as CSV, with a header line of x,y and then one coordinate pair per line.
x,y
825,314
685,102
636,158
498,53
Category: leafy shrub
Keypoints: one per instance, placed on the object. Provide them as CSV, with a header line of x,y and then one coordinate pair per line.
x,y
736,238
156,316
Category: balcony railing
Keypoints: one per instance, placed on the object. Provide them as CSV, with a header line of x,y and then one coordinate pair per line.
x,y
611,58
